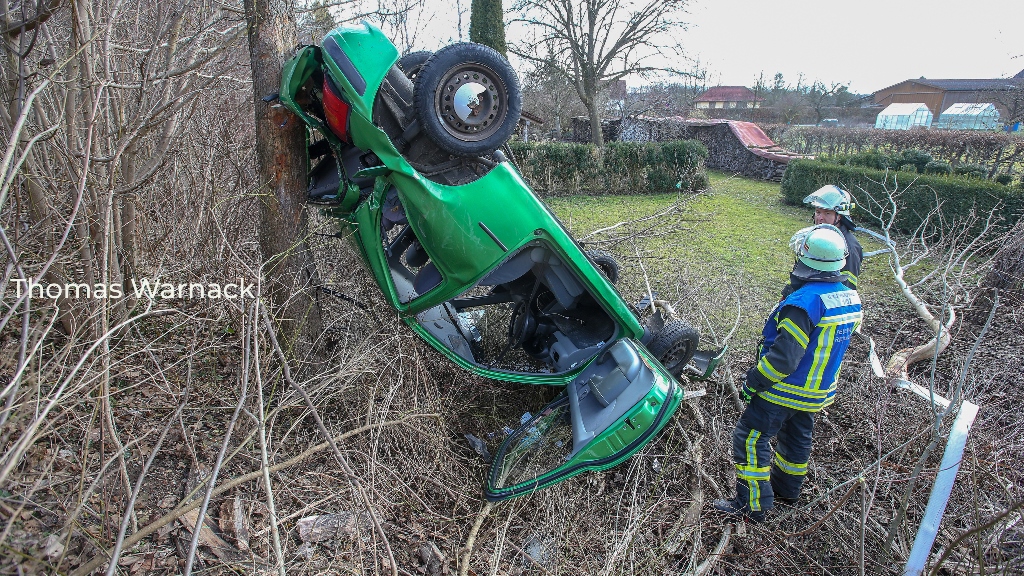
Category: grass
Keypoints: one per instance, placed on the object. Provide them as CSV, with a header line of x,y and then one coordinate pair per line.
x,y
727,247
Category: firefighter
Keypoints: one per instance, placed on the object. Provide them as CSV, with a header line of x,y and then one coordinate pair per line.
x,y
804,341
832,205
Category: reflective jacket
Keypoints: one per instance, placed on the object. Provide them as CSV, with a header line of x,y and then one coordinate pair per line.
x,y
818,320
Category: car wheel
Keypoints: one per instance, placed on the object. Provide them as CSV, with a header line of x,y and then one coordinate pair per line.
x,y
606,263
467,98
412,62
674,346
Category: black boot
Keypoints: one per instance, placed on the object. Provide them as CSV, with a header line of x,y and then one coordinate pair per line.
x,y
738,509
786,501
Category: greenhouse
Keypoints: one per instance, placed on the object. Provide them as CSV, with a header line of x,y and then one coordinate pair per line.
x,y
904,116
968,116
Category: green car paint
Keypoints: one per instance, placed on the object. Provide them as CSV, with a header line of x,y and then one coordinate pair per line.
x,y
468,231
610,448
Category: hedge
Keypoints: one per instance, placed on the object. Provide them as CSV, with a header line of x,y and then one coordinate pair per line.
x,y
958,194
562,168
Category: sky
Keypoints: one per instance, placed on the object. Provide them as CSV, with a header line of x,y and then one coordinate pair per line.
x,y
865,44
868,44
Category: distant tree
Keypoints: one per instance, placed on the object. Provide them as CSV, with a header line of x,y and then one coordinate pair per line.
x,y
549,95
820,96
597,42
403,21
315,22
487,24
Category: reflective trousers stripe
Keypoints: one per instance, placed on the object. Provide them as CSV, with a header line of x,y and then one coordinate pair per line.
x,y
789,467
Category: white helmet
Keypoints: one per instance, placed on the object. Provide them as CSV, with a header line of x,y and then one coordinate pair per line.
x,y
820,247
831,198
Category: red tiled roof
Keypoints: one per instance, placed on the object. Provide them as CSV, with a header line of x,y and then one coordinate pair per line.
x,y
729,94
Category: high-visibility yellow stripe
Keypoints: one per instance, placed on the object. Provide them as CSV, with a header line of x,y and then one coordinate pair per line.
x,y
789,467
744,472
822,353
811,393
851,277
751,446
755,494
791,327
797,404
768,371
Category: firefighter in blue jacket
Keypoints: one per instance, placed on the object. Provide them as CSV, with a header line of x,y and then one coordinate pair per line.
x,y
805,339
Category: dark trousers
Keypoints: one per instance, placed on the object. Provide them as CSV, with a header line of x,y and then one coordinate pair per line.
x,y
760,473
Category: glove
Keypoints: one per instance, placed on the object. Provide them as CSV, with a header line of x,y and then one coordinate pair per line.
x,y
745,395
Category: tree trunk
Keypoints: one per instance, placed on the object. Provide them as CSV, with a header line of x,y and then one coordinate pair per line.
x,y
280,141
596,136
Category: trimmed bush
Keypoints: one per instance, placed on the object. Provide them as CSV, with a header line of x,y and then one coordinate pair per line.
x,y
971,171
918,158
562,169
958,194
938,167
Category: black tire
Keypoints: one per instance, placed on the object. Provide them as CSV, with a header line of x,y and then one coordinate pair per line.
x,y
449,106
674,346
412,62
605,263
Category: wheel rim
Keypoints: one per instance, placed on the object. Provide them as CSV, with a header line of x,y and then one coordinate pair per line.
x,y
471,102
679,352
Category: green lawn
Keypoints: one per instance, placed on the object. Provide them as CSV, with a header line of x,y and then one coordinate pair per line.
x,y
717,250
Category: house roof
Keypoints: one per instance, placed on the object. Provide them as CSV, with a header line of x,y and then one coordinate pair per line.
x,y
968,85
728,94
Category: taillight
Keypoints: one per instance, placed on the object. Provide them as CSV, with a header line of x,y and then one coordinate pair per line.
x,y
336,110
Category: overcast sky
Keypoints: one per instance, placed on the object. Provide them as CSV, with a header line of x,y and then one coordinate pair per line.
x,y
866,44
869,44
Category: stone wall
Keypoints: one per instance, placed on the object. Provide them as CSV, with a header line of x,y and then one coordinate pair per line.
x,y
733,147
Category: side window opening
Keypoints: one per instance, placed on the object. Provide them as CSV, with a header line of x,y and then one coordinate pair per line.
x,y
531,314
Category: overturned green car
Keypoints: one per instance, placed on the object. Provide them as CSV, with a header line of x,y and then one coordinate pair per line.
x,y
406,153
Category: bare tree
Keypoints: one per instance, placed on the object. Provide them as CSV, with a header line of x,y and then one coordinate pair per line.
x,y
598,42
280,139
821,96
950,252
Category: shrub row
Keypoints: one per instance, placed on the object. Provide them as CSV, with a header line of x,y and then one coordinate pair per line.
x,y
952,146
914,160
919,193
562,169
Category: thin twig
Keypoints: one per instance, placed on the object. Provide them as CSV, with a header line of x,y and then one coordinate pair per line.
x,y
116,554
323,430
860,482
247,341
194,503
981,528
274,533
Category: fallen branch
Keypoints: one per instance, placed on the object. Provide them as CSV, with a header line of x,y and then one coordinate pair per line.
x,y
853,487
980,528
187,506
471,539
349,473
